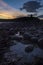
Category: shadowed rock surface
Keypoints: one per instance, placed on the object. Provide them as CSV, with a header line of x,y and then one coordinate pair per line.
x,y
29,48
40,43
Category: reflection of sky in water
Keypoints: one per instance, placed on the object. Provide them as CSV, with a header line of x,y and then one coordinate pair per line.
x,y
20,50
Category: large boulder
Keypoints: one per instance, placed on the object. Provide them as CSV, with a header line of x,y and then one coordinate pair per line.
x,y
26,36
40,43
29,48
34,40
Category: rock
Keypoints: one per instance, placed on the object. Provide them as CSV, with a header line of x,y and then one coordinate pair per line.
x,y
12,57
26,36
29,48
38,61
12,63
17,38
26,42
34,40
40,43
21,32
27,63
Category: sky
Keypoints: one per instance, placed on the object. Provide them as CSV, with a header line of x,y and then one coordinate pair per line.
x,y
11,8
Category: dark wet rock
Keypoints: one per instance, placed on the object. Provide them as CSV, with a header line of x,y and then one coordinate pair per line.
x,y
17,38
11,31
37,35
34,40
27,37
38,61
26,42
29,48
40,43
21,32
12,63
32,29
27,63
12,58
15,42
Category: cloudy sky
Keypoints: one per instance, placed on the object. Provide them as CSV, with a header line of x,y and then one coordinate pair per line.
x,y
11,8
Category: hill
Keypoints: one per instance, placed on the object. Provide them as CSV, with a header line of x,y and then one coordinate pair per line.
x,y
21,19
24,21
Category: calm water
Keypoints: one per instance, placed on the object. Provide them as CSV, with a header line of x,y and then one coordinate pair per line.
x,y
19,50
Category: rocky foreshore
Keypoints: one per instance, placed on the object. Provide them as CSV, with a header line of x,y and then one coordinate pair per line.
x,y
25,42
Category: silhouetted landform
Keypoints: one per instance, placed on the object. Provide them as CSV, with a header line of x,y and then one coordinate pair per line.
x,y
23,19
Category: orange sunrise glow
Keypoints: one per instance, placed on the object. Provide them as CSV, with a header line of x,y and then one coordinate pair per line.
x,y
7,12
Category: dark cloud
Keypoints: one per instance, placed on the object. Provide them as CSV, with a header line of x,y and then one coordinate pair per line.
x,y
31,6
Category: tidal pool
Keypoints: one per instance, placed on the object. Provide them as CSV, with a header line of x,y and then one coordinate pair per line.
x,y
18,51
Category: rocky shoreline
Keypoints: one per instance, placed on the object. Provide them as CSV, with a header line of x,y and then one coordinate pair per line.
x,y
24,38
